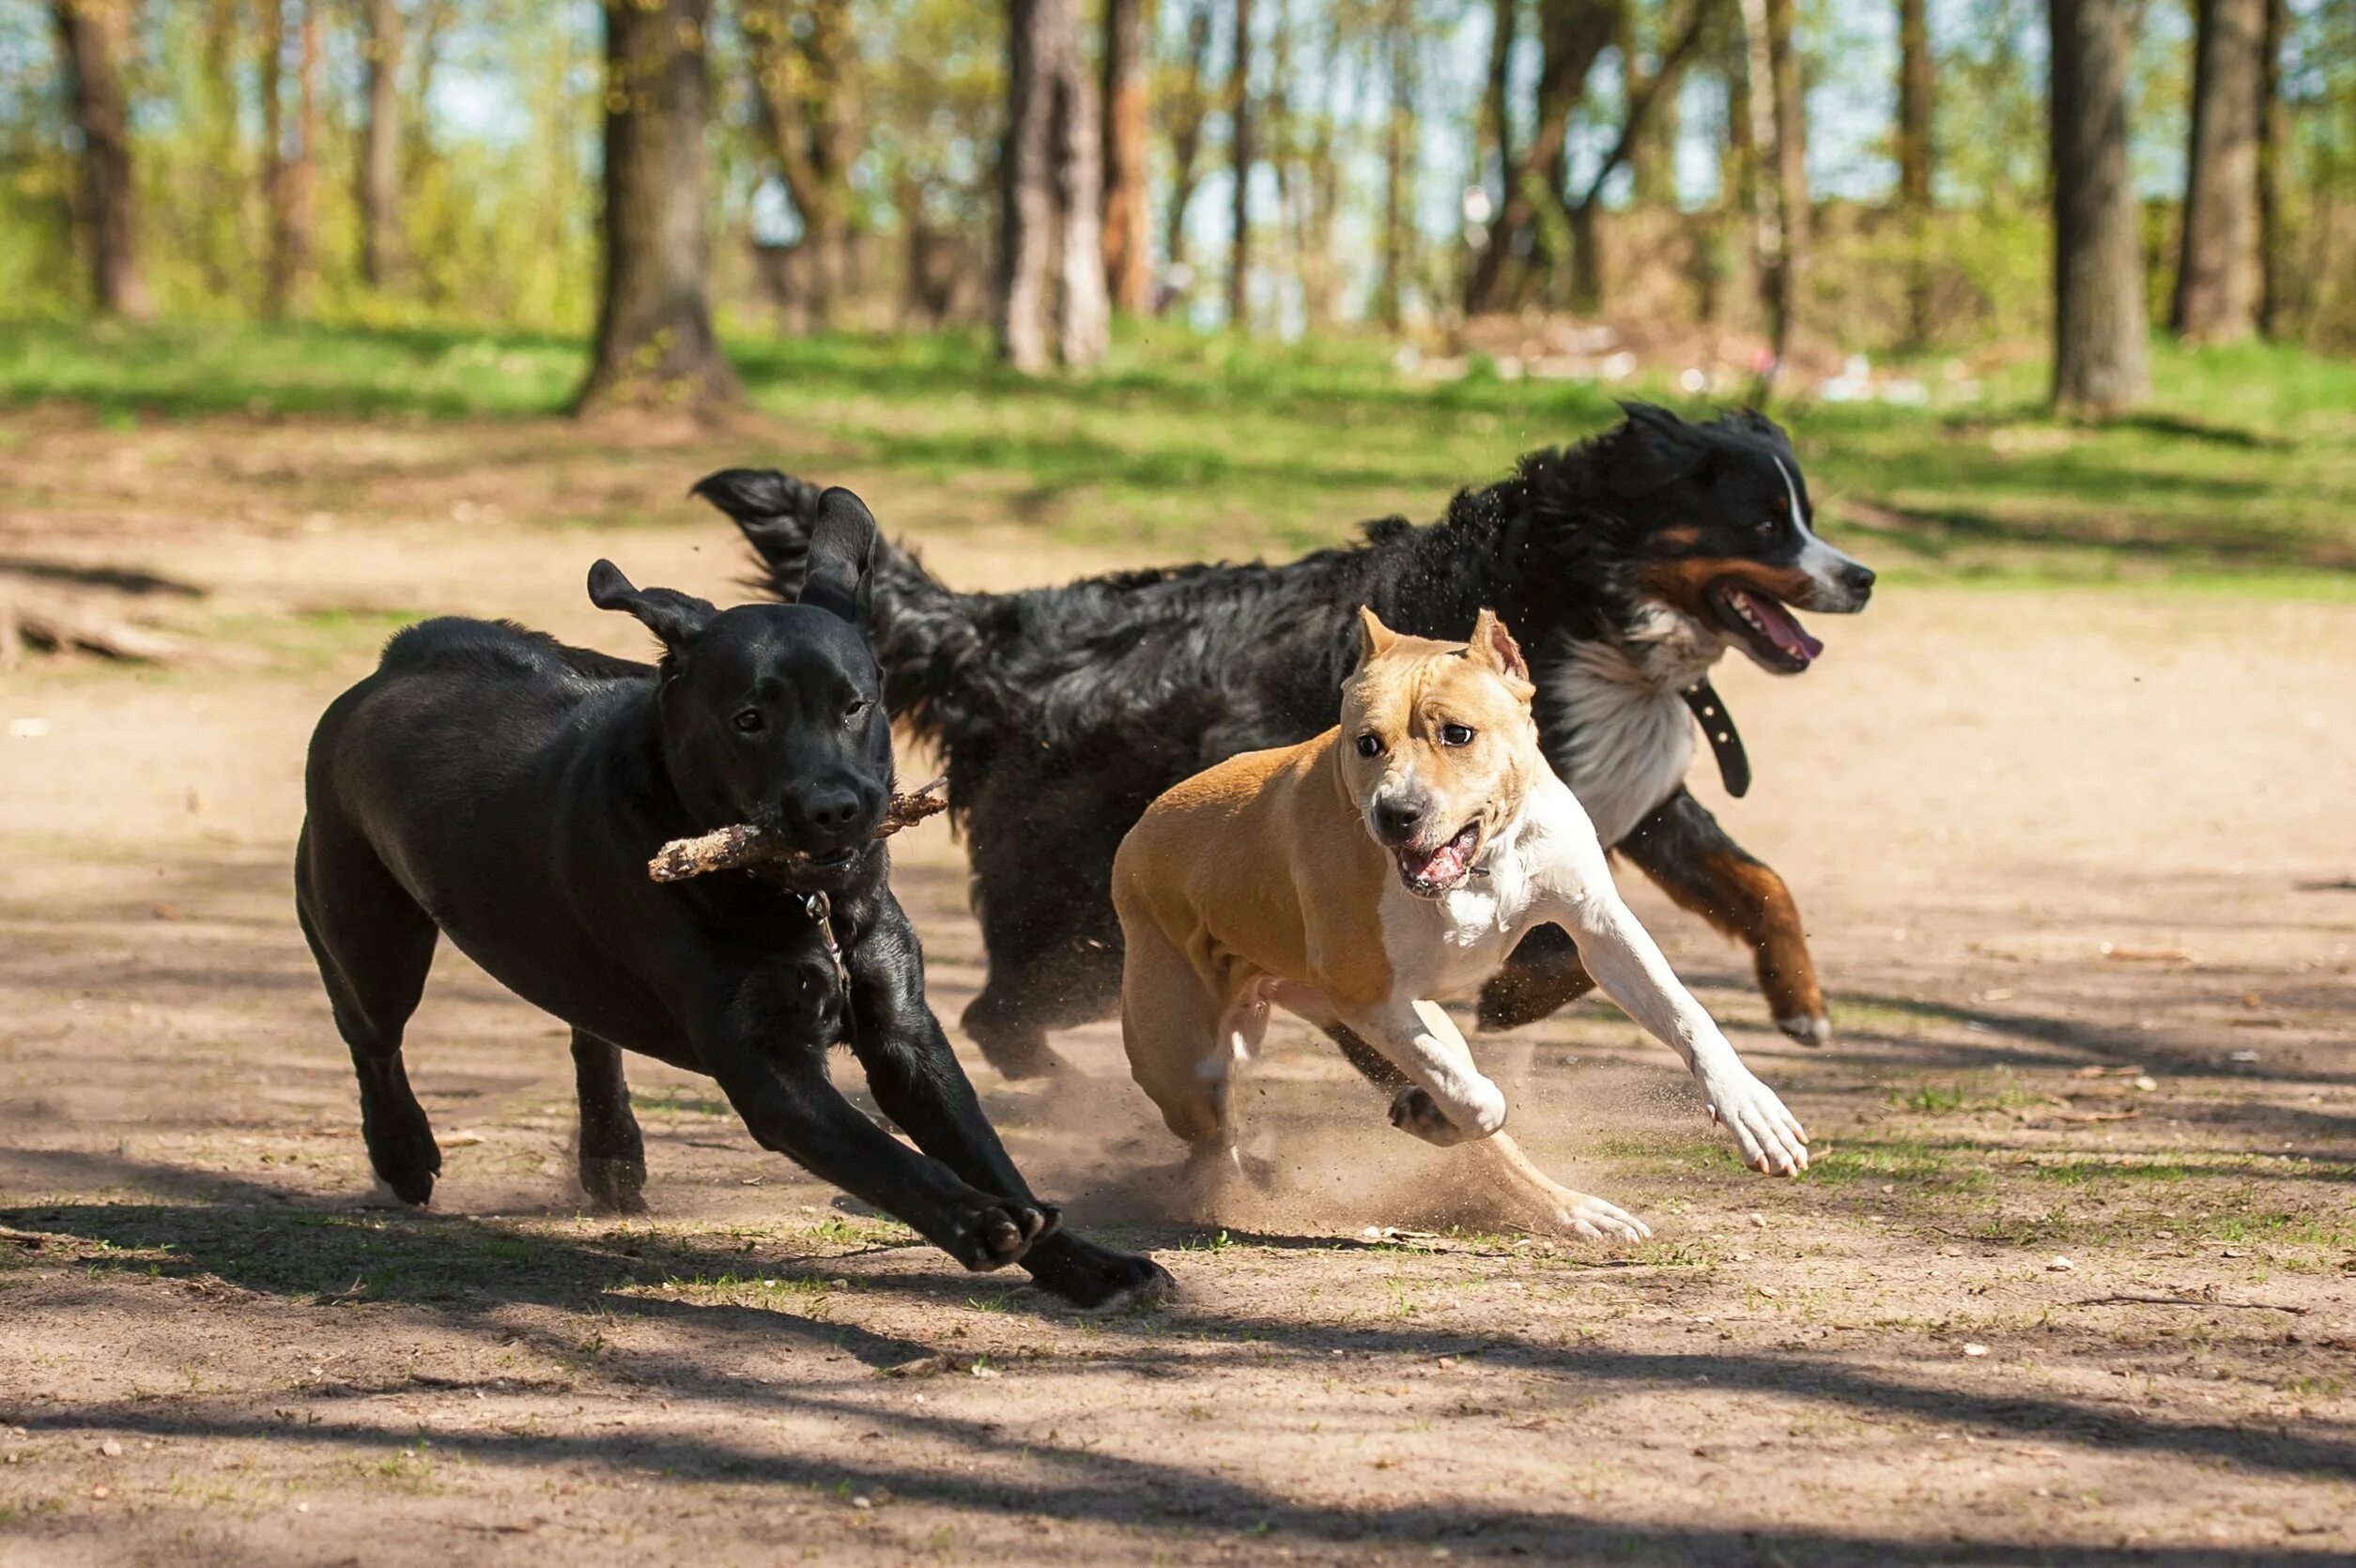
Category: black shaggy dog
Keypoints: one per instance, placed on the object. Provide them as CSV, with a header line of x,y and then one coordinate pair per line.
x,y
490,784
1627,566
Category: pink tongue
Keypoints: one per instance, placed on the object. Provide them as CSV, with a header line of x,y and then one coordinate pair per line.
x,y
1446,863
1782,627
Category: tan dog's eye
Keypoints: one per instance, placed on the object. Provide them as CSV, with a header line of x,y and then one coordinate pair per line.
x,y
1455,734
1370,744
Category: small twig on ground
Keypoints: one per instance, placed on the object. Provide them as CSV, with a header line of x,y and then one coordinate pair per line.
x,y
2183,1301
733,848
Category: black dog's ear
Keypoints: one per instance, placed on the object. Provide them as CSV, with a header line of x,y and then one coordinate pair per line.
x,y
842,548
1751,421
1655,448
670,615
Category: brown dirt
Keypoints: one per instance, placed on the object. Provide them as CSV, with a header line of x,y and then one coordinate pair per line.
x,y
2081,881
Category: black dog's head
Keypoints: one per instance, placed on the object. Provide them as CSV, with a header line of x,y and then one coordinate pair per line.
x,y
773,714
1713,523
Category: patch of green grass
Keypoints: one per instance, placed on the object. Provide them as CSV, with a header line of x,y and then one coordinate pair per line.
x,y
2237,476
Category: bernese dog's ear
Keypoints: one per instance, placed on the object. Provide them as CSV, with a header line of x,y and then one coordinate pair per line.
x,y
1654,448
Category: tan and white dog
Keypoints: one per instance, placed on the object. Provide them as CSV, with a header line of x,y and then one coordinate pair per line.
x,y
1359,877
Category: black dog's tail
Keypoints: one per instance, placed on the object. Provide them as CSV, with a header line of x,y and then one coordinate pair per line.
x,y
924,639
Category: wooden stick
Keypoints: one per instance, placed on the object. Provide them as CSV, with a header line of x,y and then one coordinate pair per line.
x,y
730,848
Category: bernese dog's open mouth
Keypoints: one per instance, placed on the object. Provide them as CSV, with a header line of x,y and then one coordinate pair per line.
x,y
1769,632
1429,873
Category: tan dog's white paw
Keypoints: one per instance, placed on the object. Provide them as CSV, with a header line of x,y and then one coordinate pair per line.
x,y
1414,1110
1599,1221
1770,1137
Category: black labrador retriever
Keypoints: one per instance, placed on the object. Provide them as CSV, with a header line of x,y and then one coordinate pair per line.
x,y
496,785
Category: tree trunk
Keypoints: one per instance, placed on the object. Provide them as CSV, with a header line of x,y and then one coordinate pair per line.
x,y
1572,32
2273,147
1189,108
380,146
1398,164
1914,161
2216,282
1506,16
1048,171
93,34
2100,355
1128,253
805,63
1239,219
225,242
293,258
655,340
271,46
1648,97
1785,284
1770,240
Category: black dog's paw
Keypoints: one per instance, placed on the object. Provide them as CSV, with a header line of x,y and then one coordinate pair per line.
x,y
1097,1278
994,1236
614,1186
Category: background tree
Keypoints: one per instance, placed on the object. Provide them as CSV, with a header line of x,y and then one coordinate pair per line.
x,y
2216,279
2273,159
1241,157
1186,102
294,184
1914,161
805,61
1050,178
379,187
655,341
91,34
1650,97
2099,320
1128,245
1571,35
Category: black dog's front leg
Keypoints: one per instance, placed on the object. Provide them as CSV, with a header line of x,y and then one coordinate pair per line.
x,y
917,1082
765,1046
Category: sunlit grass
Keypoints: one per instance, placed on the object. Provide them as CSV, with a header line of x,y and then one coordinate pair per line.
x,y
2239,474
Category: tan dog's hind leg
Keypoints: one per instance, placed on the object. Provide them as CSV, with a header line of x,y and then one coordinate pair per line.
x,y
1179,1037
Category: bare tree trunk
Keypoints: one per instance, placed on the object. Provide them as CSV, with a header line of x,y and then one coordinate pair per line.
x,y
2273,147
1239,224
655,345
224,244
1506,16
380,146
1128,253
805,63
1648,97
1048,170
1189,108
2216,282
2099,320
1770,239
293,255
1785,284
93,34
1398,162
272,45
1573,33
1914,161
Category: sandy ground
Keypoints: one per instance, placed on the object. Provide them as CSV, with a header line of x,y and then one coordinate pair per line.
x,y
2071,1280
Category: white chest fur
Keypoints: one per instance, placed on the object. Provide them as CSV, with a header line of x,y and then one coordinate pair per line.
x,y
1443,948
1631,735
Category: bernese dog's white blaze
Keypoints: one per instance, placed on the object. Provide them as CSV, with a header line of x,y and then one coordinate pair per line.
x,y
1835,573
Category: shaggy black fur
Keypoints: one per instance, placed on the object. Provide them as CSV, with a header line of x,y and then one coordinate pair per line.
x,y
1062,712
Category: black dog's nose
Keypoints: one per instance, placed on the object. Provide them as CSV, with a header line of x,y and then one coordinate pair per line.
x,y
1395,817
831,810
1859,578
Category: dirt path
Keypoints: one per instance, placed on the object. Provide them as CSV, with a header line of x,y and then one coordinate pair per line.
x,y
2071,1281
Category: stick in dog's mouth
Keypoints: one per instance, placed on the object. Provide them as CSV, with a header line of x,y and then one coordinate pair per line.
x,y
1428,874
730,849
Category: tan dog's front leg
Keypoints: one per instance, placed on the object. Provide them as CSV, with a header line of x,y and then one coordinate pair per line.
x,y
1451,1103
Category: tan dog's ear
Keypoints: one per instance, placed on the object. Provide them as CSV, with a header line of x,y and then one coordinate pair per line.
x,y
1493,647
1374,638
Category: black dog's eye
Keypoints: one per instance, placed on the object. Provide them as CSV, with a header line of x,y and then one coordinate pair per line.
x,y
1455,734
856,711
1770,525
1370,746
748,721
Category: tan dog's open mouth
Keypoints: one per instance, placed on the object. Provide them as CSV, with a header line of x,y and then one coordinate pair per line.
x,y
1428,874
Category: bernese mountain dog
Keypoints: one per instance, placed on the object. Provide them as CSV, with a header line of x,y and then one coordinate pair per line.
x,y
1628,564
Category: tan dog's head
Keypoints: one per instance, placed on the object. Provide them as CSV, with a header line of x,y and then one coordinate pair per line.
x,y
1437,744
